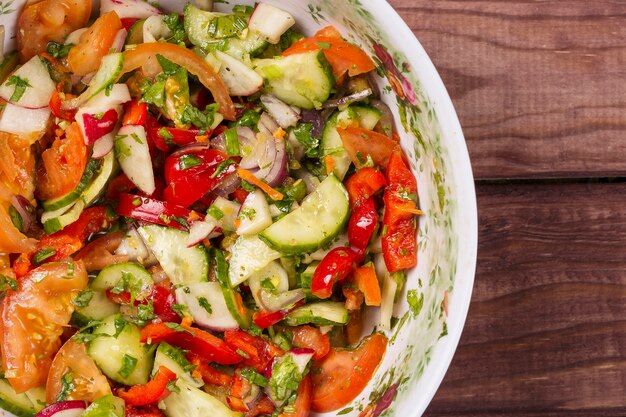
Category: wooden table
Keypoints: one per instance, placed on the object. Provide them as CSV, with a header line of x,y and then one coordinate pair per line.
x,y
540,89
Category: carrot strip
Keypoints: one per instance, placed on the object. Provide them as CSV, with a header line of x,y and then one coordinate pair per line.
x,y
329,161
248,176
367,282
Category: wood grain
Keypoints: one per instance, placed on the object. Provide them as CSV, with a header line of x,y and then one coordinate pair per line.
x,y
538,85
546,332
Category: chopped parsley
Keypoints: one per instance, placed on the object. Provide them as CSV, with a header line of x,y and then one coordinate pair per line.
x,y
285,378
83,298
304,134
58,50
222,167
188,161
204,303
21,84
129,363
176,26
120,324
177,327
67,386
7,282
181,310
43,254
215,212
122,151
254,377
16,219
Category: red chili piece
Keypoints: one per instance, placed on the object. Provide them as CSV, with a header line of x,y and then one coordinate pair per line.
x,y
361,226
336,266
155,211
153,391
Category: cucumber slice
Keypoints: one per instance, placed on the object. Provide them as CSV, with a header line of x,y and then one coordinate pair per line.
x,y
306,276
189,401
197,23
64,201
249,254
57,223
252,45
110,68
319,219
368,117
174,359
98,308
254,215
322,313
113,355
37,396
227,211
182,265
18,404
240,79
107,406
303,80
233,300
134,277
207,305
135,33
105,172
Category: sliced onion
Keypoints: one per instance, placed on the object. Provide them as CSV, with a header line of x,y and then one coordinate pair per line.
x,y
199,230
63,409
274,302
25,210
191,147
285,115
315,118
267,125
119,40
386,121
279,168
352,98
253,396
301,356
229,184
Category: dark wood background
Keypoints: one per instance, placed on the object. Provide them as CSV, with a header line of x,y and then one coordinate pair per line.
x,y
540,89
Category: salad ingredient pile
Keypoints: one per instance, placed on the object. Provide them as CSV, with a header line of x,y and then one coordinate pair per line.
x,y
196,210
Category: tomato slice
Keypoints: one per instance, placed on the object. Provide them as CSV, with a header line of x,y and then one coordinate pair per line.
x,y
359,143
341,376
311,338
94,44
62,164
33,318
89,382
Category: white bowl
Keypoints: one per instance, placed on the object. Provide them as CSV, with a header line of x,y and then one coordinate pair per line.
x,y
431,136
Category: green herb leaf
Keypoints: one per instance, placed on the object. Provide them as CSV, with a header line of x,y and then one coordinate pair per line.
x,y
21,84
175,24
285,378
249,118
177,327
215,212
120,324
83,298
153,93
303,132
58,50
169,68
181,310
200,119
254,377
172,387
67,386
204,303
16,219
129,363
167,136
222,167
188,161
7,282
122,151
231,139
43,254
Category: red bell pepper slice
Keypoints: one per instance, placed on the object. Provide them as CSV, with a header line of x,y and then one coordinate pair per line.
x,y
192,174
155,390
156,211
209,374
162,302
198,341
265,319
259,353
56,106
239,390
165,138
336,266
361,226
364,184
399,240
135,113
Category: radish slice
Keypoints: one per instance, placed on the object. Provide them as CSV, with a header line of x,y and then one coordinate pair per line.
x,y
118,94
131,150
207,305
63,409
270,21
38,90
22,121
301,356
284,114
129,8
96,124
240,79
103,146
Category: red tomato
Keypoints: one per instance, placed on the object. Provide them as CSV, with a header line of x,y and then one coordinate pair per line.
x,y
146,411
191,175
198,341
344,57
361,226
155,211
33,318
363,184
260,352
336,266
302,405
399,240
89,382
136,113
99,253
311,338
265,319
56,102
62,164
359,143
151,392
341,376
94,44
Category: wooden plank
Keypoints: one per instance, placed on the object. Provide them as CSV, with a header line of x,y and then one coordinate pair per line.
x,y
546,331
538,86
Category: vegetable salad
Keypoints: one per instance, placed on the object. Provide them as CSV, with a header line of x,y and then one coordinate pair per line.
x,y
195,211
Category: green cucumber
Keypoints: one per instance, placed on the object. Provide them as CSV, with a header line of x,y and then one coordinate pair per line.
x,y
18,404
303,80
38,397
183,265
64,201
322,313
252,45
57,223
105,172
319,219
135,33
332,146
110,68
134,278
115,355
249,254
98,308
174,359
232,298
197,23
107,406
189,401
305,277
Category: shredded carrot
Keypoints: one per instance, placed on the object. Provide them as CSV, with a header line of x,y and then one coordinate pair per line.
x,y
237,223
202,138
366,281
196,374
279,133
206,242
193,216
415,211
248,176
329,161
187,321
